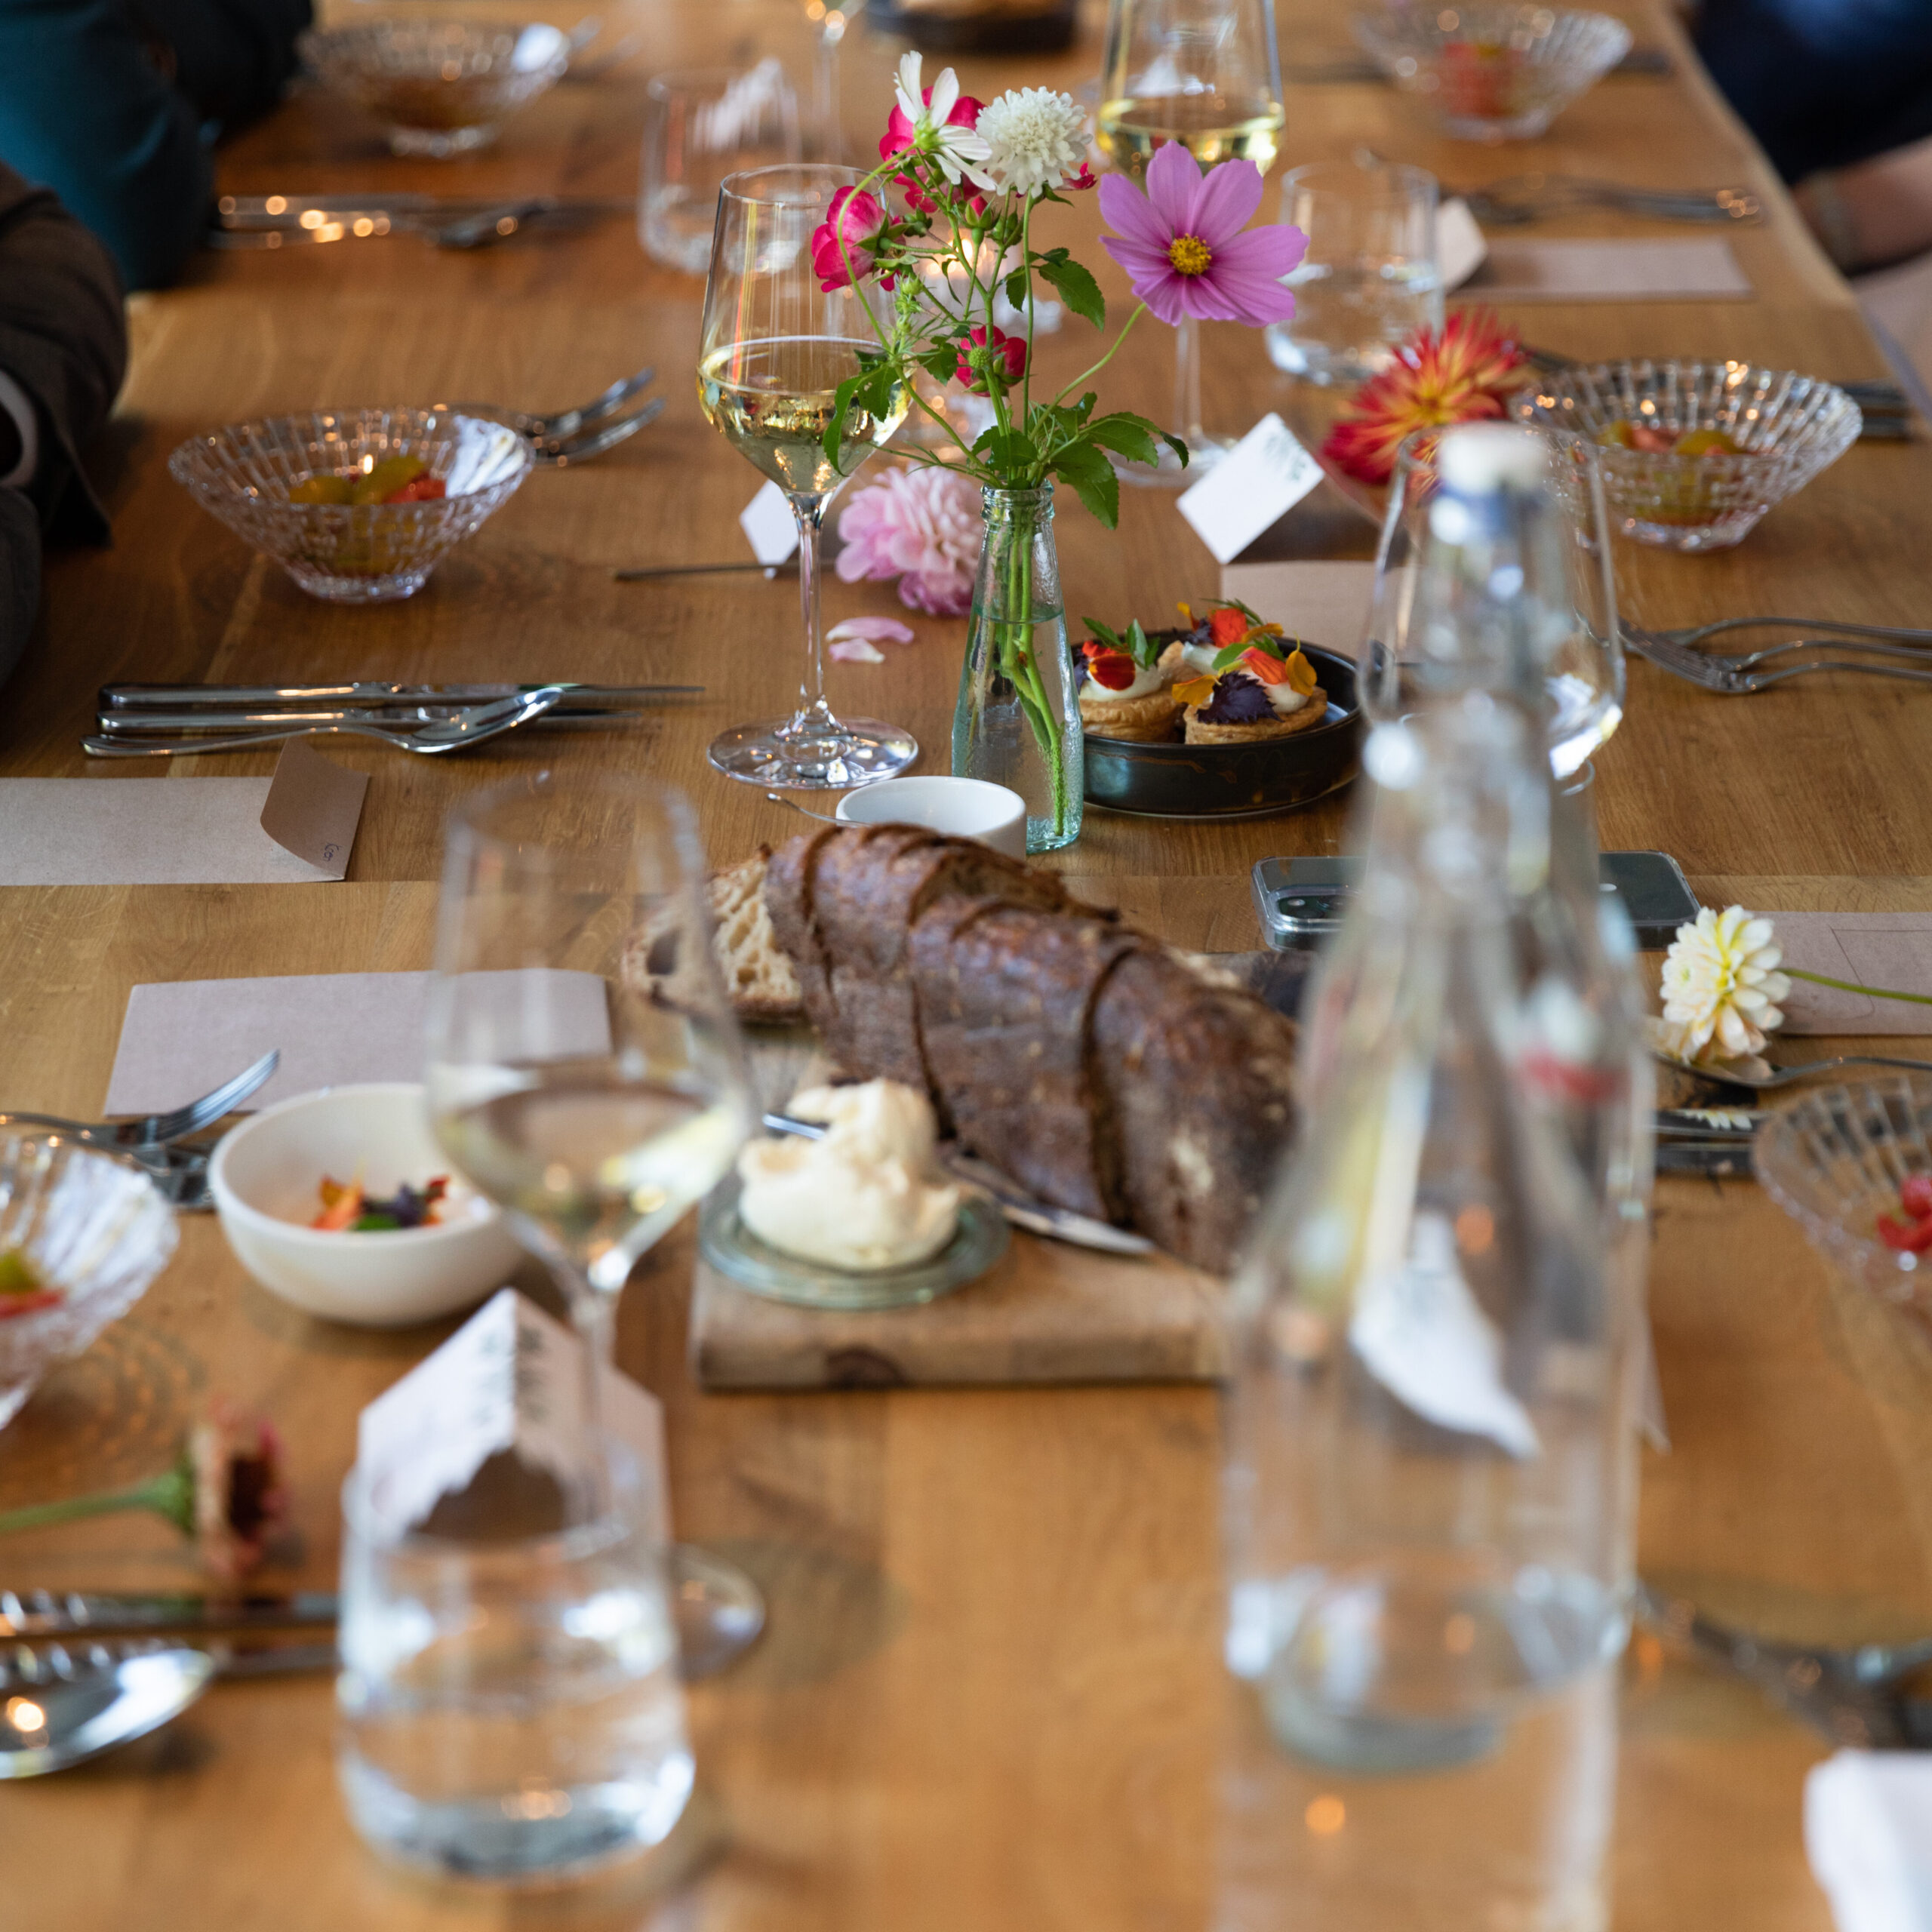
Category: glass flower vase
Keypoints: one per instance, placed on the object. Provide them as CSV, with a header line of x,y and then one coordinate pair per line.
x,y
1018,721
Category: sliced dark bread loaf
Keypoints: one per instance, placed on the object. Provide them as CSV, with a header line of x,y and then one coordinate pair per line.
x,y
861,891
1006,994
1196,1078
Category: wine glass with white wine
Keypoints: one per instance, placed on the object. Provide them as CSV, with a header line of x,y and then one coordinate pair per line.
x,y
775,346
595,1111
1204,73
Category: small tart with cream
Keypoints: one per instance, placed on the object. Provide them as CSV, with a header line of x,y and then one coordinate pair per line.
x,y
867,1197
1263,691
1124,686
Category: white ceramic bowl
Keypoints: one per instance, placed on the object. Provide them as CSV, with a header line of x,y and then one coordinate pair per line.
x,y
265,1177
964,808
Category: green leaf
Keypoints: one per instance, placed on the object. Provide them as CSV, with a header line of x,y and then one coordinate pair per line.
x,y
940,362
1016,287
1101,634
1145,652
1093,477
1175,444
1009,452
842,399
1078,289
1132,436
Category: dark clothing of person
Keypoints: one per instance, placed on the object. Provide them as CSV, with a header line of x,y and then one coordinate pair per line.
x,y
1822,83
116,105
63,341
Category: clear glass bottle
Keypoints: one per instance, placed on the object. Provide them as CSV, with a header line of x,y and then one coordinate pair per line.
x,y
1017,721
1429,1483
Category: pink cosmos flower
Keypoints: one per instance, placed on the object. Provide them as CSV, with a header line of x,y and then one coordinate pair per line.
x,y
1183,246
1002,349
921,526
854,219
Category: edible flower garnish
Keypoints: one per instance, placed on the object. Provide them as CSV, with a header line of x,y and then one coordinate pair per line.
x,y
1113,658
22,1291
347,1209
1911,1235
1194,690
1237,700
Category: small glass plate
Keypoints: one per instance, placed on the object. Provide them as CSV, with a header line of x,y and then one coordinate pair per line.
x,y
731,1248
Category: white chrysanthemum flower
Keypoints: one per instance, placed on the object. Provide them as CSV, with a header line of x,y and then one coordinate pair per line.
x,y
1720,985
958,150
1035,139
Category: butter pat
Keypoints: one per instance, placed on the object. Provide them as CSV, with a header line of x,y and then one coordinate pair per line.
x,y
868,1196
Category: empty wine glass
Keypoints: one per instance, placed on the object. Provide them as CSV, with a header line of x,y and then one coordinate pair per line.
x,y
1204,73
1585,661
593,1112
774,347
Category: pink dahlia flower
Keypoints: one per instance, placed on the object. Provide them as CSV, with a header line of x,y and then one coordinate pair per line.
x,y
1183,246
1005,356
854,219
921,526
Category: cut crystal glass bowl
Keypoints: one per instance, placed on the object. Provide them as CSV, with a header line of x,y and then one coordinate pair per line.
x,y
1494,73
440,88
360,553
1786,427
88,1225
1834,1162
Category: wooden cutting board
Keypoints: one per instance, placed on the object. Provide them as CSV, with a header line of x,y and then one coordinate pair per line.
x,y
1047,1312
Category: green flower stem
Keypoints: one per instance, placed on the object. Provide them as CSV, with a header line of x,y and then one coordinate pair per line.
x,y
1852,986
1019,664
170,1494
1087,375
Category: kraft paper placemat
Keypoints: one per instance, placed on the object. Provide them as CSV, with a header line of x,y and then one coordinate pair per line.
x,y
1889,949
184,1037
1608,271
1321,603
295,828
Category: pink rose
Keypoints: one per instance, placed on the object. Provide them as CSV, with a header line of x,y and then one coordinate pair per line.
x,y
855,219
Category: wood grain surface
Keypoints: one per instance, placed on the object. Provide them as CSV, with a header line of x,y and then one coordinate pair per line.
x,y
990,1692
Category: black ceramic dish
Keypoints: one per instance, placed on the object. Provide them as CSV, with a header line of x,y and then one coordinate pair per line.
x,y
1235,781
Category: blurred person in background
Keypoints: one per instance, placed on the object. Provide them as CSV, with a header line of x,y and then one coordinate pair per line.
x,y
63,350
116,105
1839,94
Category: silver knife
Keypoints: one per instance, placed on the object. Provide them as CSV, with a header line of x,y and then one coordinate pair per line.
x,y
1021,1209
1719,1159
34,1614
131,697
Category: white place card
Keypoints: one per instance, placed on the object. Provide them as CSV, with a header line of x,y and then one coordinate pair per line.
x,y
511,1378
1321,603
769,526
1889,949
185,1037
1460,243
1258,481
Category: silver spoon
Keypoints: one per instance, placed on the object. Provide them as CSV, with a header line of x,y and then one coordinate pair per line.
x,y
792,805
57,1709
1785,1076
442,734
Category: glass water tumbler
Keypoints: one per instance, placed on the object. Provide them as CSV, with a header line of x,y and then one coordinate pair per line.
x,y
510,1707
1371,277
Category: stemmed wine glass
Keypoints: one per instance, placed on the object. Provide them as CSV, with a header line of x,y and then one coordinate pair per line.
x,y
774,348
1585,660
1204,73
594,1113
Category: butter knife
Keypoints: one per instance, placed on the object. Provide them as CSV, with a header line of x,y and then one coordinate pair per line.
x,y
1021,1209
36,1614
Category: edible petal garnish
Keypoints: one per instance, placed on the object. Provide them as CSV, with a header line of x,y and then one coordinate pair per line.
x,y
1132,644
1238,700
1193,690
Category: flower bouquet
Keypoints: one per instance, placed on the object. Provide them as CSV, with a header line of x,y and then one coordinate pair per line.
x,y
930,239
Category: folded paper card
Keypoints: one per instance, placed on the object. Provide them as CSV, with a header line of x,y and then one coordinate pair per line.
x,y
1608,271
1889,949
1320,603
509,1381
1868,1834
183,1038
295,828
1261,478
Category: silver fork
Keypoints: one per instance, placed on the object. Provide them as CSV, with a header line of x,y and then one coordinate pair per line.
x,y
157,1130
470,727
1738,677
1696,633
562,422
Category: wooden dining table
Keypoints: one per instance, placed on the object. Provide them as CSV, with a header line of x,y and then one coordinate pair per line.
x,y
990,1691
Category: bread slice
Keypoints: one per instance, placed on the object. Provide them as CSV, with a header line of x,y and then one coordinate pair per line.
x,y
757,974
